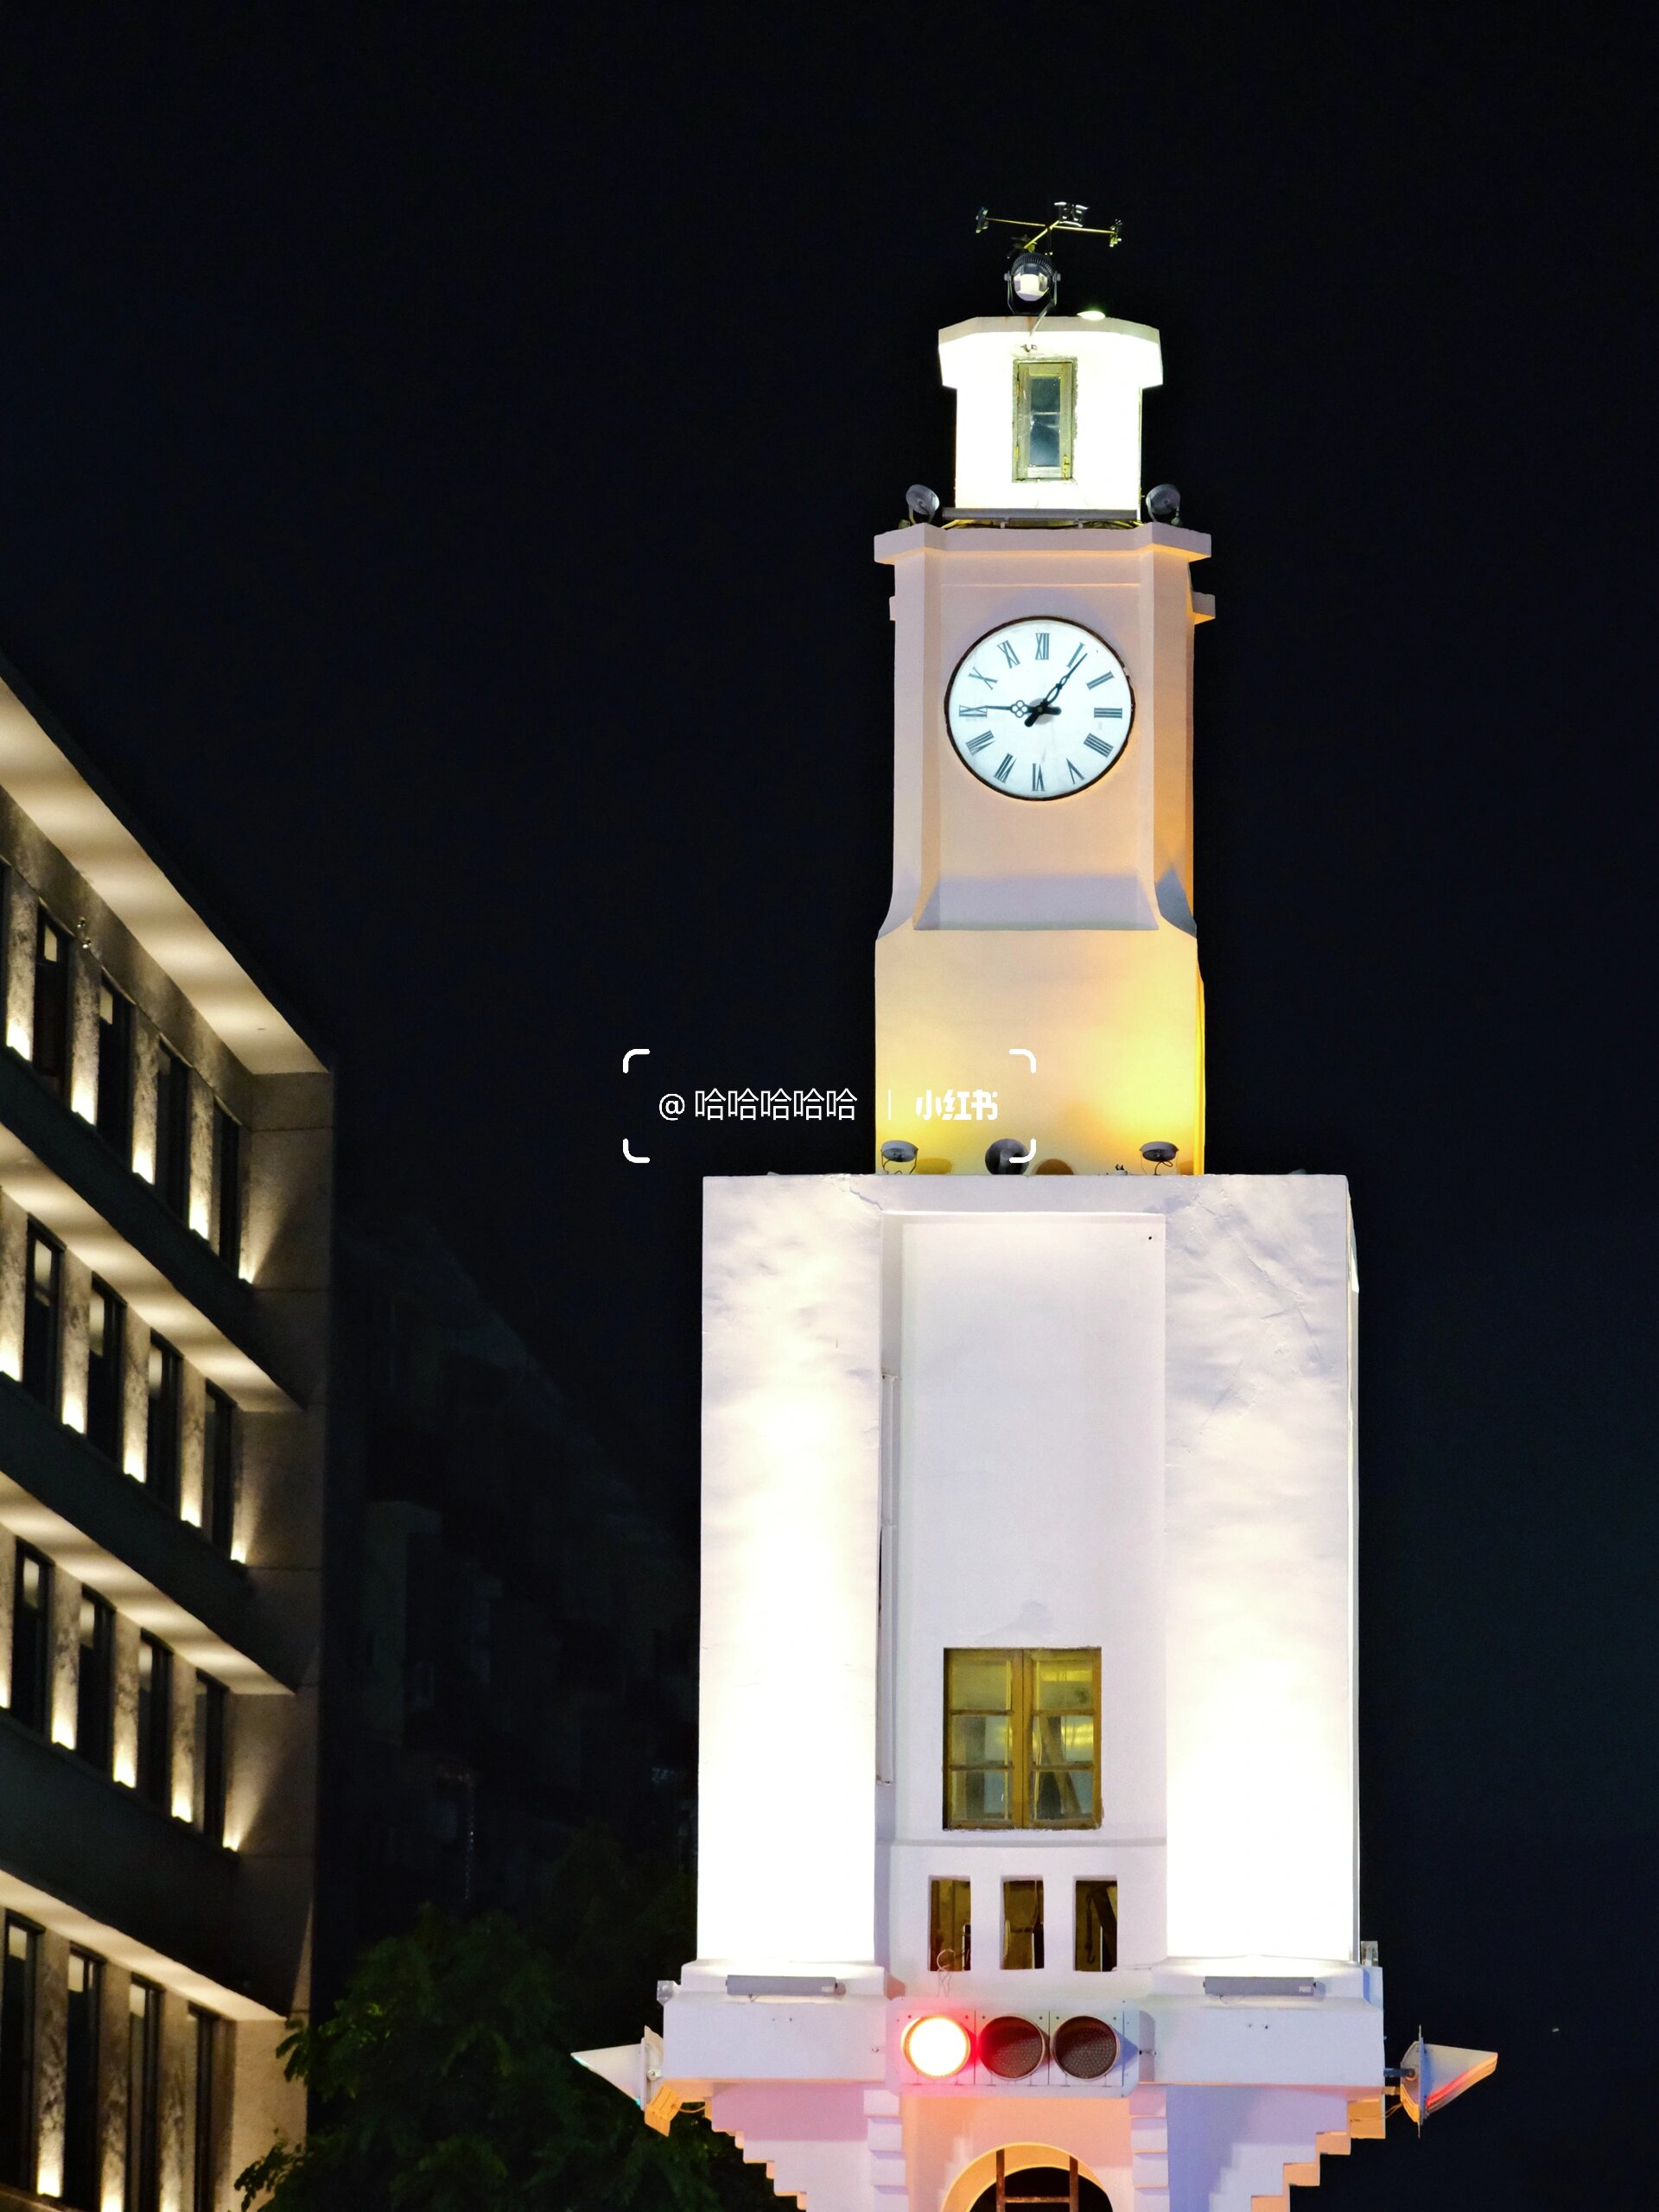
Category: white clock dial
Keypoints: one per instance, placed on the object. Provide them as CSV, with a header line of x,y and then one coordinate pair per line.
x,y
1039,709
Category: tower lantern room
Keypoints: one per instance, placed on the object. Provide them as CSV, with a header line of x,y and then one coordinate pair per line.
x,y
1048,412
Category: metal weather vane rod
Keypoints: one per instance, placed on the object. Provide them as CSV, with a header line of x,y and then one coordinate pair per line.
x,y
1068,216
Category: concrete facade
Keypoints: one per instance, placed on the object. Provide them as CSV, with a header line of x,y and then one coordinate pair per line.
x,y
166,1195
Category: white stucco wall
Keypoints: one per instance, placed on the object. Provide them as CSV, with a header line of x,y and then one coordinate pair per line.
x,y
1033,1307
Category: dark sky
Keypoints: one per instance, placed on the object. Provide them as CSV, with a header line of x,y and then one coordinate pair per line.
x,y
438,452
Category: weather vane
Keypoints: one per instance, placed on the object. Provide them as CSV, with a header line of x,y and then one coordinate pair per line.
x,y
1033,280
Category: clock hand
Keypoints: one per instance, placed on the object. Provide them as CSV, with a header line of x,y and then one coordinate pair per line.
x,y
1045,705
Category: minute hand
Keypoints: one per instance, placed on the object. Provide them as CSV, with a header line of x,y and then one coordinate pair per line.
x,y
1045,705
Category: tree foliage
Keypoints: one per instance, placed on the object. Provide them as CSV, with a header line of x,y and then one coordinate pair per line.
x,y
441,2079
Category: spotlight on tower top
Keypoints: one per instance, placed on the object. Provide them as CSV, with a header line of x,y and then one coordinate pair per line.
x,y
1033,280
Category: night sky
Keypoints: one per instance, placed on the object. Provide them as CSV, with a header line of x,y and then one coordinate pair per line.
x,y
439,453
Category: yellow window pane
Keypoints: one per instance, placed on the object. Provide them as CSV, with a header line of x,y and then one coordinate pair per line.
x,y
1063,1739
981,1740
1022,1925
1060,1799
950,1935
980,1682
1097,1927
978,1798
1062,1685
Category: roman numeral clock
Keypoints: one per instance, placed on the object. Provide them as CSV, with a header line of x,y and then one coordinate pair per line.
x,y
1039,950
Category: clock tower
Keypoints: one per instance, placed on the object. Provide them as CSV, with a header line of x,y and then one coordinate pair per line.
x,y
1037,974
1028,1780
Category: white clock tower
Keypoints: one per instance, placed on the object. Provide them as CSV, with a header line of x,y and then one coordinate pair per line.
x,y
1028,1832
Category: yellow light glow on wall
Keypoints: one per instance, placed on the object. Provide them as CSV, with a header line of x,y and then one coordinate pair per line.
x,y
74,1410
125,1768
20,1036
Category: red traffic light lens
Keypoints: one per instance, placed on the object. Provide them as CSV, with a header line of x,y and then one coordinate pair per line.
x,y
938,2046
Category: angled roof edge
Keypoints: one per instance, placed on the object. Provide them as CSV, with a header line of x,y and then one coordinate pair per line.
x,y
72,804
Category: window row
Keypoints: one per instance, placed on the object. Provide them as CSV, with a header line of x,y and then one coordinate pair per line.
x,y
951,1926
106,1090
72,1679
72,2067
108,1412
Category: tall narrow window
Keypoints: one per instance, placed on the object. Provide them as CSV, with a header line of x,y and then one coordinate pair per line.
x,y
17,2053
31,1634
143,2098
172,1130
80,2144
205,2114
51,1052
106,1339
949,1927
162,1433
226,1226
217,1469
1022,1925
114,1111
212,1703
1021,1739
42,1313
95,1682
154,1722
1042,411
1096,1950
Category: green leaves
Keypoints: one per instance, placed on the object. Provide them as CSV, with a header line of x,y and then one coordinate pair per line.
x,y
444,2081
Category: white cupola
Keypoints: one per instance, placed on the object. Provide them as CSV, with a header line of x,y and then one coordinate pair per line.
x,y
1048,411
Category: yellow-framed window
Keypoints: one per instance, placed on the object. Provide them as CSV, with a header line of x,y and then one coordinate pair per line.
x,y
1021,1739
1044,415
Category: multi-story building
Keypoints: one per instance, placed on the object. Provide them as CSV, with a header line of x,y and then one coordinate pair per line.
x,y
165,1201
511,1621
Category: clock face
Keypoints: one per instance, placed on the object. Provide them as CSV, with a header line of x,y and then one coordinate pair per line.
x,y
1039,709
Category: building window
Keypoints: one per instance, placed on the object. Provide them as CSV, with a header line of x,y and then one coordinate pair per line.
x,y
1043,413
1096,1947
113,1115
209,2035
80,2131
1021,1739
154,1722
163,1432
225,1228
212,1705
1022,1925
172,1131
106,1339
143,2098
42,1315
31,1637
217,1469
51,1051
95,1682
17,1977
950,1925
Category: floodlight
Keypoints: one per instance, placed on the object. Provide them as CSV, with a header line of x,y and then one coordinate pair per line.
x,y
1164,503
922,503
898,1157
1034,283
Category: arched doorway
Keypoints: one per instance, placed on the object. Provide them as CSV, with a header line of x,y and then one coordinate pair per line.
x,y
1054,2189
